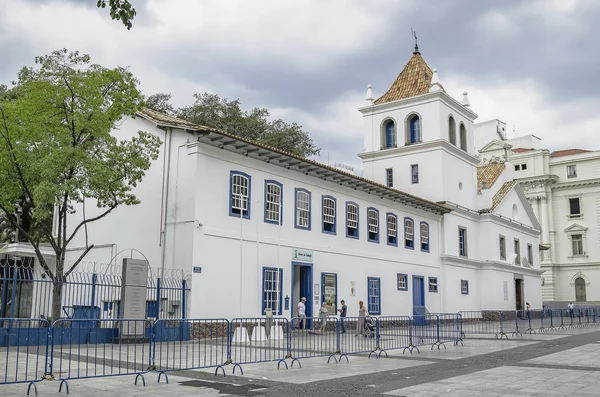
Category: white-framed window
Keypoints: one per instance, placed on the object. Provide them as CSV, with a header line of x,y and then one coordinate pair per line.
x,y
502,248
239,200
392,229
273,207
572,171
302,209
530,254
414,173
329,214
462,241
351,220
389,177
424,237
464,287
409,233
577,244
272,284
373,226
518,251
402,282
433,284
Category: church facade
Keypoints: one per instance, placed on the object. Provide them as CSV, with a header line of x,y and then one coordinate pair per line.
x,y
423,229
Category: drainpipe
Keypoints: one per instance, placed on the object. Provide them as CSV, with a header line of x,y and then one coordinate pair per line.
x,y
165,197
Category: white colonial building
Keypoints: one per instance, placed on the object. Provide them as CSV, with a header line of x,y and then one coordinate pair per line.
x,y
422,229
564,189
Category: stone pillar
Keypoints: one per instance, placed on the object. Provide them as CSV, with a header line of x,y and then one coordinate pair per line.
x,y
545,222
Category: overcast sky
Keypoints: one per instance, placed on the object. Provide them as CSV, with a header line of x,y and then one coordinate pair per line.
x,y
533,64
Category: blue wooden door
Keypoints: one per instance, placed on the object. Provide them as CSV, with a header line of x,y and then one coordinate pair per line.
x,y
306,289
418,295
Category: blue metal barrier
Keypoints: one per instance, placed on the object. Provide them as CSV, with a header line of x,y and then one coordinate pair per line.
x,y
483,322
26,348
255,340
319,337
394,333
360,336
201,343
76,353
449,328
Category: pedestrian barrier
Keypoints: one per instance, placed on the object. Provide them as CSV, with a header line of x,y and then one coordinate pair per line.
x,y
255,340
394,333
79,349
484,322
449,328
314,337
360,336
191,344
25,348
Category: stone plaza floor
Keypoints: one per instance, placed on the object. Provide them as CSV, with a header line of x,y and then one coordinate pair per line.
x,y
559,363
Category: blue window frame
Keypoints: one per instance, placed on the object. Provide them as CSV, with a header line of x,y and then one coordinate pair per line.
x,y
271,289
402,280
409,233
390,134
462,241
433,284
302,209
414,129
372,225
392,229
464,287
352,217
328,204
424,237
273,202
374,295
239,194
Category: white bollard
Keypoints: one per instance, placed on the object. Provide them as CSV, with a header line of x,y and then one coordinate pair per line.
x,y
259,334
240,335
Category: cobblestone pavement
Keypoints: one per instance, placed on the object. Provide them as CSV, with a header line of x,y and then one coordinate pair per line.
x,y
560,363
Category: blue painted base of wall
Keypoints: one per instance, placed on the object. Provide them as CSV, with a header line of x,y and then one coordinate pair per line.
x,y
84,335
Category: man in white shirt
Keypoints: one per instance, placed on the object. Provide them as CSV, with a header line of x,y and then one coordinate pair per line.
x,y
301,312
571,306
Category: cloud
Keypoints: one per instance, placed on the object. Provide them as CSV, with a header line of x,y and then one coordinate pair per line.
x,y
532,64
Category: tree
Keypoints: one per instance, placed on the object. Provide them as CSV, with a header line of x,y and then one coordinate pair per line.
x,y
56,149
213,111
120,10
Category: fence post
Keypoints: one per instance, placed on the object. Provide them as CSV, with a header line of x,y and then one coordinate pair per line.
x,y
183,297
158,305
93,298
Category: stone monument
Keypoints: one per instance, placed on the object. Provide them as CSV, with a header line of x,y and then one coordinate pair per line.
x,y
133,298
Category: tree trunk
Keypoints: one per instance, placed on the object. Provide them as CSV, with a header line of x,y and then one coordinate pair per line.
x,y
57,300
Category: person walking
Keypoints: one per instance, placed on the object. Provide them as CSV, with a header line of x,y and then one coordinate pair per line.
x,y
323,316
301,313
343,311
362,313
571,308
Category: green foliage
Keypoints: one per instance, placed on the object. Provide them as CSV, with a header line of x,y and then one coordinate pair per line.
x,y
56,148
120,10
213,111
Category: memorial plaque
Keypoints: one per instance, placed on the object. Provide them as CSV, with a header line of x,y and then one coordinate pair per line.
x,y
133,296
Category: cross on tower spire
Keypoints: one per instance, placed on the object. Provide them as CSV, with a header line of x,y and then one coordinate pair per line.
x,y
416,41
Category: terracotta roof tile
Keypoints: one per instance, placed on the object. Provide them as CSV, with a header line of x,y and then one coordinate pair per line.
x,y
522,150
500,194
568,152
488,174
413,80
161,118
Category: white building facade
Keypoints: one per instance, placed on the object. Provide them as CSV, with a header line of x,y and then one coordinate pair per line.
x,y
259,228
563,188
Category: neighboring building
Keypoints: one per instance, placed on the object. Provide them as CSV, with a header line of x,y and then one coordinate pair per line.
x,y
424,229
563,188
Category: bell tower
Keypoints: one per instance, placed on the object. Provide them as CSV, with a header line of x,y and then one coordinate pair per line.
x,y
419,139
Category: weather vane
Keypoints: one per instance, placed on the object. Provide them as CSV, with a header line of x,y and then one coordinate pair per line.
x,y
416,42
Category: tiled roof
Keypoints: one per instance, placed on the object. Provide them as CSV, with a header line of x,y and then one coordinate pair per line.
x,y
488,174
568,152
522,150
500,194
238,144
413,80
